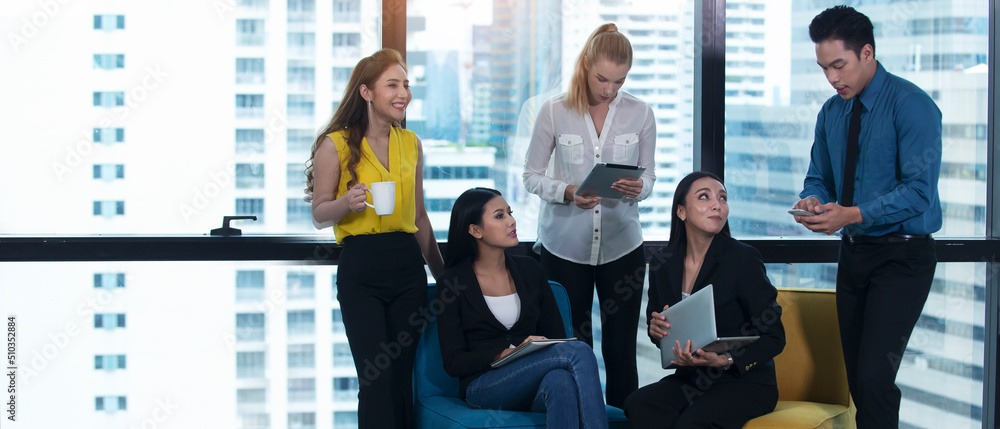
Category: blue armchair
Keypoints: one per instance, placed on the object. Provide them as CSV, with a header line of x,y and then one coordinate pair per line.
x,y
436,393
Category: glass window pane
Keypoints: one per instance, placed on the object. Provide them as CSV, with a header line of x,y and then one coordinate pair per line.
x,y
941,372
301,285
213,74
301,390
301,356
775,89
338,321
478,77
345,388
249,176
254,396
301,322
346,10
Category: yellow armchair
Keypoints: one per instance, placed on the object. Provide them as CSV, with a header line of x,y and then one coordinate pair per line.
x,y
812,379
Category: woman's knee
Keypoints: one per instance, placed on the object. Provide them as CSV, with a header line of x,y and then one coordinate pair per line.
x,y
578,348
559,377
643,408
579,353
558,387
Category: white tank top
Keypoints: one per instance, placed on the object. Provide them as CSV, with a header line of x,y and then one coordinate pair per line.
x,y
506,309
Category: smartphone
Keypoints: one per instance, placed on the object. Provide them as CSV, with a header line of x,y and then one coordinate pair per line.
x,y
800,212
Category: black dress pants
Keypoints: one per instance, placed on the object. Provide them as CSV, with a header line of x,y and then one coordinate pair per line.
x,y
381,282
619,290
681,402
881,290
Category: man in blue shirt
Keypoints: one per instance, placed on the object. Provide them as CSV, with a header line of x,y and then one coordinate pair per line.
x,y
885,205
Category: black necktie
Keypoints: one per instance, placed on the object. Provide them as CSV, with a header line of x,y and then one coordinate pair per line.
x,y
851,163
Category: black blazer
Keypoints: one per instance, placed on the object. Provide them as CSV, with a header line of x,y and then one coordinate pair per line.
x,y
471,336
744,303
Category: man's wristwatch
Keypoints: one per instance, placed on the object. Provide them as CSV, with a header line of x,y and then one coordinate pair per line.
x,y
729,356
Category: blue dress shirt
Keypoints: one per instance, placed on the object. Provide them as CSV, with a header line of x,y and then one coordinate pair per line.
x,y
899,157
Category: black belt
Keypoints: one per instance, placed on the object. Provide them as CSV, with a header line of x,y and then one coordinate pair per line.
x,y
884,239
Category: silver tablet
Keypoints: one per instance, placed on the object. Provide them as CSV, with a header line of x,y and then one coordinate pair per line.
x,y
694,319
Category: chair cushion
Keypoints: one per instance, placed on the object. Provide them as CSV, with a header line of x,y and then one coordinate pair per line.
x,y
811,367
812,380
803,415
448,412
455,413
430,378
562,301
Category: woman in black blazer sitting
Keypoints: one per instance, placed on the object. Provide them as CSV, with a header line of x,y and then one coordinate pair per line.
x,y
493,302
709,389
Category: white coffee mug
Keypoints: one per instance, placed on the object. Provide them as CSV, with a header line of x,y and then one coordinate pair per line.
x,y
384,197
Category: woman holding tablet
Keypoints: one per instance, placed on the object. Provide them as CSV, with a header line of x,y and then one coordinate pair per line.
x,y
493,301
591,240
709,389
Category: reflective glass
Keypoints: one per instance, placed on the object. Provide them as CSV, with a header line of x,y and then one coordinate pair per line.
x,y
193,336
774,89
941,372
480,70
214,111
183,343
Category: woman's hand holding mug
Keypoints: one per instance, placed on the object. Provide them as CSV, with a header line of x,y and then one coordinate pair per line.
x,y
356,197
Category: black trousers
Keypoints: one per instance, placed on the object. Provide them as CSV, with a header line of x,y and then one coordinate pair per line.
x,y
619,290
685,403
381,282
881,290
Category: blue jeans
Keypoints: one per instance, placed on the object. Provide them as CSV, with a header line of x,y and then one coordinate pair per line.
x,y
561,381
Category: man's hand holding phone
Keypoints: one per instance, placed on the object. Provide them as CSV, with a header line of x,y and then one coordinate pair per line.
x,y
805,207
800,212
830,219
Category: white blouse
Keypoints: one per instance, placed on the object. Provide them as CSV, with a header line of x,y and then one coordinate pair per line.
x,y
611,229
506,309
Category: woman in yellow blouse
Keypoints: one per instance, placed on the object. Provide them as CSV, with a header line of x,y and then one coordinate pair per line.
x,y
381,280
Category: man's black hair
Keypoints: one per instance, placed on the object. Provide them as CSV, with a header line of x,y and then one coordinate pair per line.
x,y
845,24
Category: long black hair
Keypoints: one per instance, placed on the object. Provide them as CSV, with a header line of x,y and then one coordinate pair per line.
x,y
678,231
468,210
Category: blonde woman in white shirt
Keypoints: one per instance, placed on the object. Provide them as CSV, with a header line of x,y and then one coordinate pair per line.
x,y
588,241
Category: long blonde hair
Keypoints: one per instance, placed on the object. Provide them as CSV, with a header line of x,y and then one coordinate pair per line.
x,y
605,43
352,113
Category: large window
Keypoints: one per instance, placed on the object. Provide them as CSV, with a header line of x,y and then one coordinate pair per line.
x,y
245,87
485,65
774,89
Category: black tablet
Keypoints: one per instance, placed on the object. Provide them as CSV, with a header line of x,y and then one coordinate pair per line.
x,y
598,182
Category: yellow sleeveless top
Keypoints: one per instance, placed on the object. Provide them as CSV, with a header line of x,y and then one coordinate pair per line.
x,y
402,170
